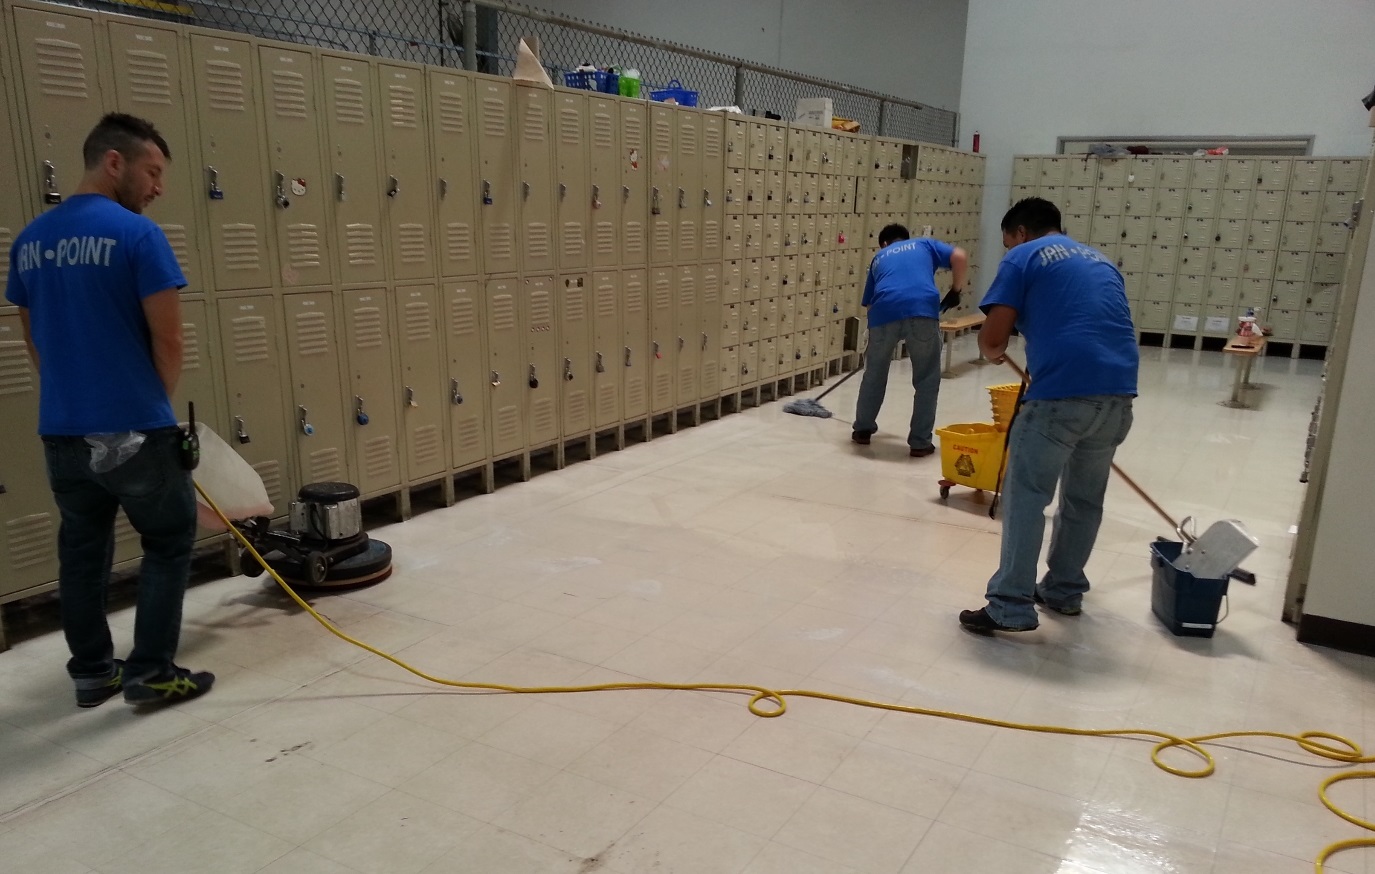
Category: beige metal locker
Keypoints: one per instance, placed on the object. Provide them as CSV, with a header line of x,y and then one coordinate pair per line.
x,y
775,192
1284,324
541,372
1206,173
13,211
734,245
713,184
1336,206
737,143
1194,259
1106,229
687,334
1287,295
465,350
1025,169
1166,231
1174,173
807,235
607,203
533,115
253,372
233,189
1303,205
845,194
294,174
506,352
733,282
1250,293
1345,174
407,182
755,183
1155,316
1189,288
1159,286
1231,233
575,377
574,195
28,517
60,81
636,355
316,398
730,325
607,360
1298,236
1221,291
1171,201
776,140
730,369
1263,233
1076,225
1327,267
709,320
1293,266
1202,203
1133,259
496,151
662,179
1112,173
770,314
1258,264
1239,173
1136,230
797,149
1330,237
811,194
200,383
1235,203
351,131
1055,169
1185,319
1308,174
1316,327
1226,262
773,236
148,81
456,192
1135,201
750,321
1323,298
735,186
759,361
752,284
373,414
1216,321
1273,173
1268,204
813,161
424,400
663,339
686,193
758,146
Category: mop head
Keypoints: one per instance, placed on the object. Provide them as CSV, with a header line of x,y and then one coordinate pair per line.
x,y
806,407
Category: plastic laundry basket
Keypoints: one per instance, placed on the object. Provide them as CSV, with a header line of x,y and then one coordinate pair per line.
x,y
972,455
1004,399
1186,604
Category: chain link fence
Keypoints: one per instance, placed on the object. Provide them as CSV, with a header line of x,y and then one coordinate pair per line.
x,y
432,32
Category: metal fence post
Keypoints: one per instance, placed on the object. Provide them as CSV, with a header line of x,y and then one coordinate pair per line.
x,y
470,35
740,87
883,118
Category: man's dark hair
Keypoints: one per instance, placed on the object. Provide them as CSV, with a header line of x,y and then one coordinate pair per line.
x,y
891,234
125,134
1038,215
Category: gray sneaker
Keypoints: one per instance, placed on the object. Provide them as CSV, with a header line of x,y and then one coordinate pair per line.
x,y
179,684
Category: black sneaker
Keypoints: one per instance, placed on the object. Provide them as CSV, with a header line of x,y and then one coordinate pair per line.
x,y
980,622
178,685
95,691
861,437
923,452
1063,611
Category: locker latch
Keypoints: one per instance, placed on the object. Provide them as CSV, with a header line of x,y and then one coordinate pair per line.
x,y
455,396
682,199
280,198
657,353
50,193
654,207
215,192
596,197
627,357
486,193
443,188
304,418
533,378
339,191
1356,214
496,379
704,341
410,397
359,415
681,344
525,190
625,192
706,197
563,191
239,433
601,365
568,369
393,186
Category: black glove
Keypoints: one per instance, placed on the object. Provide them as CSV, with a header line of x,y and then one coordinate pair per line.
x,y
950,301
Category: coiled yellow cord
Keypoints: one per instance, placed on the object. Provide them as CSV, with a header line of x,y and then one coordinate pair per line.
x,y
1340,749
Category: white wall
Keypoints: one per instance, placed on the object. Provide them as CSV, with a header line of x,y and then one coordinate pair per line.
x,y
908,48
1035,70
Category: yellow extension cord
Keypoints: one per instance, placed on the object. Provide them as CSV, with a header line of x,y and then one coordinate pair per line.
x,y
1310,741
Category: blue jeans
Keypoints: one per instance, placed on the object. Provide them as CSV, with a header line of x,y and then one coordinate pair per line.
x,y
923,338
1069,442
157,496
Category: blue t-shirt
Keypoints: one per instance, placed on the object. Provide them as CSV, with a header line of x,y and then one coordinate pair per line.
x,y
1072,308
902,281
82,270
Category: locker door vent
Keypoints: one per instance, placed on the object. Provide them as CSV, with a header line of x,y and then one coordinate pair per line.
x,y
537,240
494,117
541,312
241,249
325,465
603,131
225,85
458,240
542,419
270,472
605,236
429,446
687,239
289,94
711,141
468,436
711,289
402,106
191,346
462,317
663,139
687,293
508,425
452,117
377,458
16,372
573,241
635,393
687,138
177,236
535,127
501,242
570,127
606,402
367,328
633,132
150,77
32,540
503,312
303,242
413,247
606,302
362,244
312,334
711,235
577,406
349,106
61,68
635,238
250,339
575,306
418,322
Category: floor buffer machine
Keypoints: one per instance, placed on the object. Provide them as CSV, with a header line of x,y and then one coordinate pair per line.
x,y
324,545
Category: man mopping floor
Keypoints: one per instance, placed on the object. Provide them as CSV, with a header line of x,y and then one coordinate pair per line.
x,y
904,304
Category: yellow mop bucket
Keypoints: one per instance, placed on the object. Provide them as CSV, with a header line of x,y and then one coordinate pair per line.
x,y
971,455
1004,399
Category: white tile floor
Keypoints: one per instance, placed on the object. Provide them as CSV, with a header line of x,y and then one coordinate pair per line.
x,y
762,548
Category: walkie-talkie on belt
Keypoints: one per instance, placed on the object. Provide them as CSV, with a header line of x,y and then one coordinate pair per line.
x,y
190,441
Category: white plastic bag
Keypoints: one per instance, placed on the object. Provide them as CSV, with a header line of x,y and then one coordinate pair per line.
x,y
229,480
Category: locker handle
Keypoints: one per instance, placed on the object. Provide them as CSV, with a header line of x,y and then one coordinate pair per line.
x,y
682,198
681,344
627,357
706,197
601,364
239,431
563,191
596,197
339,191
525,190
50,193
443,188
625,192
216,193
533,378
657,353
359,415
704,339
486,193
304,418
280,198
455,396
393,186
496,379
410,397
654,207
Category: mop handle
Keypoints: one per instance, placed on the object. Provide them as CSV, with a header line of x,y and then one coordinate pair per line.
x,y
1115,469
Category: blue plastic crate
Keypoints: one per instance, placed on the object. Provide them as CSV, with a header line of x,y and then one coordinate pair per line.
x,y
593,80
676,92
1186,604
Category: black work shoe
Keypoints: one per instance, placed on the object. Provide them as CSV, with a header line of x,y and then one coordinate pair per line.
x,y
1063,611
922,453
980,622
95,691
177,685
861,437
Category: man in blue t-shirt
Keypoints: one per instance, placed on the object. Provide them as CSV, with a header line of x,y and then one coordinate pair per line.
x,y
97,288
904,304
1069,302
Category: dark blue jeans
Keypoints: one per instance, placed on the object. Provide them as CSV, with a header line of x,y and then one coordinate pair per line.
x,y
159,500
